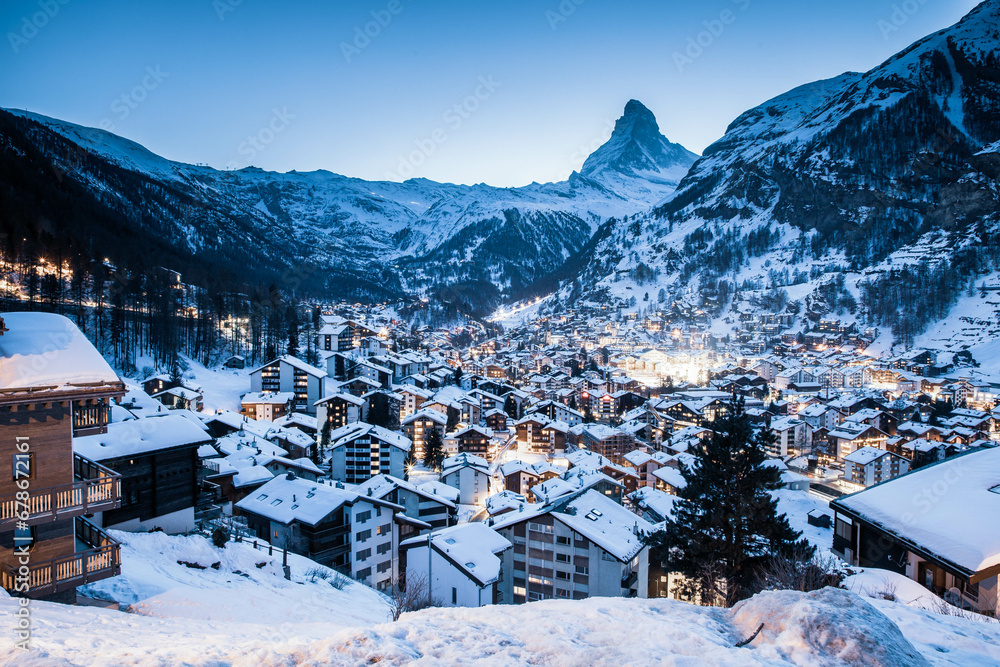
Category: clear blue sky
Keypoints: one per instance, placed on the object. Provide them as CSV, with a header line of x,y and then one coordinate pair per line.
x,y
559,73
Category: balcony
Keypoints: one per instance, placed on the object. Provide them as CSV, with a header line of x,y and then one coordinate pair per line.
x,y
100,561
96,489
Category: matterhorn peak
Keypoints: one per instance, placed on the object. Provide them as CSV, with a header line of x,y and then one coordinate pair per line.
x,y
638,149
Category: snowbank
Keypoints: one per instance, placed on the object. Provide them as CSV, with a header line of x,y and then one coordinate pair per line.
x,y
829,627
826,627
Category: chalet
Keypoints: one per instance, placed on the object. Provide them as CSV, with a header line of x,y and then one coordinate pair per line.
x,y
602,439
503,502
847,438
529,433
339,410
181,397
472,440
868,466
299,420
360,451
157,458
266,405
656,506
423,502
417,426
470,475
581,546
351,532
54,385
792,437
289,374
235,362
496,420
931,525
557,411
462,564
520,476
411,399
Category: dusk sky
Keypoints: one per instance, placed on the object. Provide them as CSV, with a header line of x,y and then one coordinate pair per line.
x,y
538,83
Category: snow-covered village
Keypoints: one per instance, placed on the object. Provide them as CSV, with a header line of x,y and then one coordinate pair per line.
x,y
728,398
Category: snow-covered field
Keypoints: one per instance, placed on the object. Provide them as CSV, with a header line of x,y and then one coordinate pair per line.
x,y
829,627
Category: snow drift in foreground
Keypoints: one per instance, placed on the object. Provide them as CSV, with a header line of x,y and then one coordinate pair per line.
x,y
828,627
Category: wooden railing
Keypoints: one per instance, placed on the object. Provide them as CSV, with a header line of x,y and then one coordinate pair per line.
x,y
100,561
97,489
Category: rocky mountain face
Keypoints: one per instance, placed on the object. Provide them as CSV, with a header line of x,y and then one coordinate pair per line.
x,y
321,232
858,176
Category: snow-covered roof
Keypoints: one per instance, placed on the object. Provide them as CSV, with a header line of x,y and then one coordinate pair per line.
x,y
251,475
865,455
463,460
270,397
48,350
341,396
139,436
286,500
606,523
671,476
382,485
435,416
441,492
658,502
295,362
956,523
340,436
472,547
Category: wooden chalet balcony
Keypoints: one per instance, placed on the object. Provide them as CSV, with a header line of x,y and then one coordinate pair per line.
x,y
96,489
100,561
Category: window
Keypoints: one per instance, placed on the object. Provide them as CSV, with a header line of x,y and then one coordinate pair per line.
x,y
454,595
383,548
519,590
364,555
23,466
25,537
562,558
383,566
364,516
582,569
562,575
363,535
562,539
562,593
364,574
540,528
843,529
384,530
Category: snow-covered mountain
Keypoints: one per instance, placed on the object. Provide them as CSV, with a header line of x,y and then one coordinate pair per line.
x,y
829,187
637,158
366,238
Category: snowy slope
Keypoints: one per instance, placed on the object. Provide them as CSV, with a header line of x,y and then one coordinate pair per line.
x,y
829,627
821,189
408,230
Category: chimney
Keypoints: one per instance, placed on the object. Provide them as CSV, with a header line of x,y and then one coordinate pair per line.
x,y
290,476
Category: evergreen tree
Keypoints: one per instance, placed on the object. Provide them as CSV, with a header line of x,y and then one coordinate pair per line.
x,y
433,449
725,526
293,331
